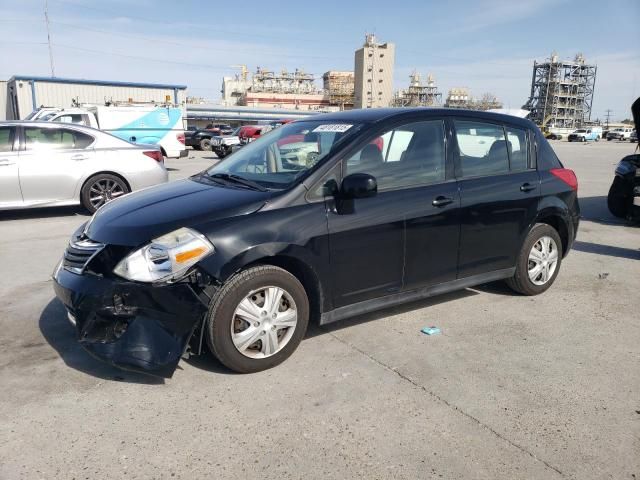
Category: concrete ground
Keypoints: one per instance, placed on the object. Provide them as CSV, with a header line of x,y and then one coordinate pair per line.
x,y
543,387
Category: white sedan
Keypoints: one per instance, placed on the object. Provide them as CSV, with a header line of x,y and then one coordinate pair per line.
x,y
45,164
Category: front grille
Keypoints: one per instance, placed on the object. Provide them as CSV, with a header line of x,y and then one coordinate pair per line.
x,y
79,253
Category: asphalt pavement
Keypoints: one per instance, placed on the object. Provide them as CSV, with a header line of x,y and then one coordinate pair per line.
x,y
515,387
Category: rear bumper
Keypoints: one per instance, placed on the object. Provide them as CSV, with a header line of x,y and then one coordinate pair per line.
x,y
129,325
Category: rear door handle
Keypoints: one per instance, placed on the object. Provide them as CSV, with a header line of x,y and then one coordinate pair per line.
x,y
79,157
441,201
527,187
4,162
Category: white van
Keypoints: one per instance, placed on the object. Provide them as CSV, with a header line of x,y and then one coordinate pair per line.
x,y
156,125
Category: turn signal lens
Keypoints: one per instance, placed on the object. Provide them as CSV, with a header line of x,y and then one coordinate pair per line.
x,y
183,257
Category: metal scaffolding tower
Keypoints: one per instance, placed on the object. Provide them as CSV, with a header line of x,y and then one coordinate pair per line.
x,y
561,92
418,94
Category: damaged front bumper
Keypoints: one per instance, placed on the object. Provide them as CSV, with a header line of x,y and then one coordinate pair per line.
x,y
139,327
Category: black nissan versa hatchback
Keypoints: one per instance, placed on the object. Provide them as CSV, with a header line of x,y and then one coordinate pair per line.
x,y
321,219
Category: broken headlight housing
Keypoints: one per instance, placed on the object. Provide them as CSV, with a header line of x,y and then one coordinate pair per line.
x,y
166,258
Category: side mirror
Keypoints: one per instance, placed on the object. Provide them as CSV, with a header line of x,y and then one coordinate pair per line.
x,y
359,185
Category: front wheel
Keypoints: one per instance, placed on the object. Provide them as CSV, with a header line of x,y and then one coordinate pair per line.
x,y
538,262
101,189
257,319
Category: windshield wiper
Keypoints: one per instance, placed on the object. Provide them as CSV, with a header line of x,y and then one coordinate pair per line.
x,y
229,177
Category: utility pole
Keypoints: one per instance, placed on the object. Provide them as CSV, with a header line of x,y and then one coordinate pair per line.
x,y
46,19
608,115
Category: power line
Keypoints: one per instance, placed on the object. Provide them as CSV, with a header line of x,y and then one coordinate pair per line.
x,y
608,113
155,22
46,21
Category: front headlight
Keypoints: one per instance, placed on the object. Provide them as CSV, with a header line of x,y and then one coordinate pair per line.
x,y
165,258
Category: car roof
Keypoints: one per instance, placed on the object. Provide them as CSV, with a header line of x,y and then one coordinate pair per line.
x,y
373,115
45,124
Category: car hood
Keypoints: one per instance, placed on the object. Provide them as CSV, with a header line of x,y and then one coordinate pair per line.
x,y
141,216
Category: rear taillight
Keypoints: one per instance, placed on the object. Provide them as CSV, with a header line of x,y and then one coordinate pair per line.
x,y
180,137
567,176
155,154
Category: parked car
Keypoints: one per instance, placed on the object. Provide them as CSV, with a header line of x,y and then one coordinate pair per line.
x,y
623,199
586,135
619,134
633,137
221,128
201,139
395,205
223,145
44,164
249,133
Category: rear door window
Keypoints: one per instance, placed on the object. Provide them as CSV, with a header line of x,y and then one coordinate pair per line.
x,y
483,148
518,149
55,139
6,139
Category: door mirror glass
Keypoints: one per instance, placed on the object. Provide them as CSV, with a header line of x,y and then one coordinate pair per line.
x,y
359,185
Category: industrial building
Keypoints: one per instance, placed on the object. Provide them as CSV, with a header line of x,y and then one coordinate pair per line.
x,y
339,86
418,94
374,74
23,94
270,89
234,87
561,92
460,97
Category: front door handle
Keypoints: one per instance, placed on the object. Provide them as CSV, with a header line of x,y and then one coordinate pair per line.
x,y
79,157
527,187
4,162
441,201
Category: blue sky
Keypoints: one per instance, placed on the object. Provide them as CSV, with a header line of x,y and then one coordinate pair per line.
x,y
487,46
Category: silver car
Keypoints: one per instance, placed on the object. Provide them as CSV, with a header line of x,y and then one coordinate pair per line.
x,y
46,164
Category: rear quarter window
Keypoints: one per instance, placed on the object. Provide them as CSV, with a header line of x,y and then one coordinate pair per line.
x,y
546,157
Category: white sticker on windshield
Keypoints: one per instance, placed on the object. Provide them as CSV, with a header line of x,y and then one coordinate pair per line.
x,y
333,127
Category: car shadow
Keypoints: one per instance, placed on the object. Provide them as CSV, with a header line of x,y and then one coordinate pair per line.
x,y
60,334
609,250
31,213
315,330
206,361
595,209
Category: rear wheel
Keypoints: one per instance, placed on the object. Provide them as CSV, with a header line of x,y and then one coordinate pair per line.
x,y
257,319
538,262
205,144
101,189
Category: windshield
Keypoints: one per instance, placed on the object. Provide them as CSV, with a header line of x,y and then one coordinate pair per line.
x,y
279,158
236,132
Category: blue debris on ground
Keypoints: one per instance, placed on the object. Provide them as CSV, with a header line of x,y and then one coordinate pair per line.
x,y
431,330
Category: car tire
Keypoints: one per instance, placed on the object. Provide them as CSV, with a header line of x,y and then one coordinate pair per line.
x,y
248,293
526,279
104,185
597,139
205,144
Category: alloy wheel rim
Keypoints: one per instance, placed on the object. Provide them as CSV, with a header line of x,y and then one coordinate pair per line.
x,y
104,191
264,322
543,260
